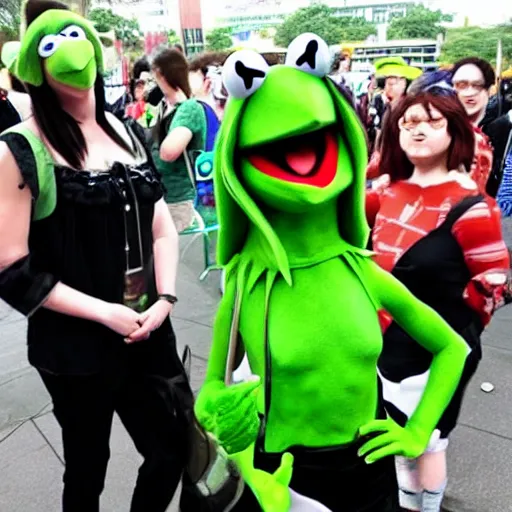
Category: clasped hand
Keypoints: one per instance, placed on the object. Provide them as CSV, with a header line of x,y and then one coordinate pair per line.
x,y
391,439
132,325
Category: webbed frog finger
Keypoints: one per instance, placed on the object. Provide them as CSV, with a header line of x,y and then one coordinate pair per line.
x,y
375,443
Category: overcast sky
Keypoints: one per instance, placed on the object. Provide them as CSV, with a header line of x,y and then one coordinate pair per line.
x,y
479,11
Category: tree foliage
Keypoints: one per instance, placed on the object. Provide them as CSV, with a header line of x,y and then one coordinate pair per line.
x,y
173,37
219,39
127,31
10,19
419,23
478,41
321,20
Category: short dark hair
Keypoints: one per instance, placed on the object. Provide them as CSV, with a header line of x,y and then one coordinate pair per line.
x,y
202,61
394,161
482,65
140,66
34,8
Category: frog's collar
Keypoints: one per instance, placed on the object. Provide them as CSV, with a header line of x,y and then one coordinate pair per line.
x,y
254,267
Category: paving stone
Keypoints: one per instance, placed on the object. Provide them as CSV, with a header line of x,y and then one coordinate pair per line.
x,y
31,473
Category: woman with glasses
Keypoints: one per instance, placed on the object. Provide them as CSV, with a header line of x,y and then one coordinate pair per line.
x,y
441,237
472,80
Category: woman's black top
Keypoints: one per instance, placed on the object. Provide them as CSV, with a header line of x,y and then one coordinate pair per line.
x,y
82,244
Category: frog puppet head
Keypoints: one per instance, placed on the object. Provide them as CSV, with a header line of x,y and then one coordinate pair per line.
x,y
289,141
65,46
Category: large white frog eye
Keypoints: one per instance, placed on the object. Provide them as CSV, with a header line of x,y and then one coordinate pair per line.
x,y
74,32
48,45
243,73
309,53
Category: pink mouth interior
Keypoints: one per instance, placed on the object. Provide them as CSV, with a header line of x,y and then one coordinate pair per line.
x,y
302,161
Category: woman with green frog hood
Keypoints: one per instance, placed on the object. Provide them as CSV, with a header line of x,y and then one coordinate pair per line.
x,y
89,254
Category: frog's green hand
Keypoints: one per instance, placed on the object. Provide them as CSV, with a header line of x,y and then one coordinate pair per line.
x,y
229,412
450,351
271,490
393,440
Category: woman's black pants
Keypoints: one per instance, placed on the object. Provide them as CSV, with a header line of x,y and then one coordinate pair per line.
x,y
84,407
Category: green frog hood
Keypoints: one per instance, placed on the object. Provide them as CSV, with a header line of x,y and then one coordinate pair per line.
x,y
65,45
289,141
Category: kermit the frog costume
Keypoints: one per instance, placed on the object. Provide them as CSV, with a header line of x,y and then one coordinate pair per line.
x,y
290,178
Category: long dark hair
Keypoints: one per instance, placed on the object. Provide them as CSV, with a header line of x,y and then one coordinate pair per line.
x,y
394,161
173,66
59,128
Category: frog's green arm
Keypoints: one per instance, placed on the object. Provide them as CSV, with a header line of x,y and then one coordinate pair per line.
x,y
424,325
215,372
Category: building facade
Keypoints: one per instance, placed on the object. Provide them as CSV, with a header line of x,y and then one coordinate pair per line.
x,y
191,25
250,15
420,53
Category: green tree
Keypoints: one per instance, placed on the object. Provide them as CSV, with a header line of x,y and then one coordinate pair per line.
x,y
355,29
419,22
127,31
10,11
173,37
264,33
219,39
478,41
321,20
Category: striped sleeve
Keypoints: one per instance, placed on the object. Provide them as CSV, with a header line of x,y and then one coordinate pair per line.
x,y
478,233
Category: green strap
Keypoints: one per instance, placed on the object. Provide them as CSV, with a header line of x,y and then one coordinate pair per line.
x,y
46,201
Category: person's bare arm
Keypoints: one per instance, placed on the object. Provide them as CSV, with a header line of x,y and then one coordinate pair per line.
x,y
166,249
175,144
27,289
15,211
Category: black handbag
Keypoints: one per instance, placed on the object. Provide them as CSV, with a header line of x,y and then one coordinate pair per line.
x,y
211,482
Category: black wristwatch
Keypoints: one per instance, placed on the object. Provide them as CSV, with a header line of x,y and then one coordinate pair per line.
x,y
168,297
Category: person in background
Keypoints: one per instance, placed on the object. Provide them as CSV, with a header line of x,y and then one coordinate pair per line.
x,y
437,234
219,92
179,130
137,108
140,85
502,127
16,104
394,75
202,73
340,67
500,133
472,79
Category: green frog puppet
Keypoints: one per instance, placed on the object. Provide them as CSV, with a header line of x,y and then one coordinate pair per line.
x,y
310,433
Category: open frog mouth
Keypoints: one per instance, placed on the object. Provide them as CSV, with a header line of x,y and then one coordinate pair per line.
x,y
310,159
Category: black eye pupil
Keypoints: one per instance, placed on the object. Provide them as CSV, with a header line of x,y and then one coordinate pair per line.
x,y
48,47
74,33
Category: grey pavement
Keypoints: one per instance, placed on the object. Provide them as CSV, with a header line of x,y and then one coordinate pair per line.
x,y
31,465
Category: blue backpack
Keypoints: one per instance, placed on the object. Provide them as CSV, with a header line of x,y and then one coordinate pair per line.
x,y
204,161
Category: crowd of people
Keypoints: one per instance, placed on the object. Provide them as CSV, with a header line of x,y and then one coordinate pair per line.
x,y
349,412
